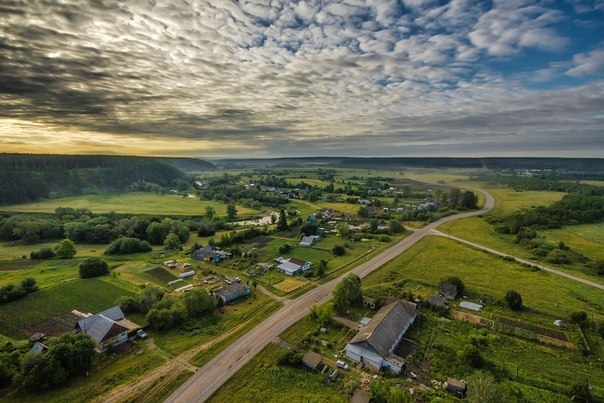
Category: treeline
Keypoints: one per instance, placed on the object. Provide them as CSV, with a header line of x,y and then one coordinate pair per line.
x,y
544,182
11,292
574,208
67,356
28,178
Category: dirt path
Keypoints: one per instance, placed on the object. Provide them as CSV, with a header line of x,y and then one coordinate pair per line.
x,y
273,296
150,384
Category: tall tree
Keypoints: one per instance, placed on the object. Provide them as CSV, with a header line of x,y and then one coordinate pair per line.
x,y
65,249
282,223
231,211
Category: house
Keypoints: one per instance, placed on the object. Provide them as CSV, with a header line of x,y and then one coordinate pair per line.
x,y
437,301
327,214
374,344
447,290
311,219
106,328
312,360
293,266
39,348
207,254
231,292
309,240
459,388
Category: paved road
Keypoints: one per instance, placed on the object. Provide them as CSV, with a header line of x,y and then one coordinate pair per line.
x,y
542,267
216,372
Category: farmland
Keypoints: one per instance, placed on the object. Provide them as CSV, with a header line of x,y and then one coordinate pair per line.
x,y
35,312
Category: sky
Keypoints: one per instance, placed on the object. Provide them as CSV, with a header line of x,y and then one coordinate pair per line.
x,y
229,79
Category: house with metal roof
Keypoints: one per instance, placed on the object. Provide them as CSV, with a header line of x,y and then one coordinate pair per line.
x,y
106,328
231,292
293,266
374,344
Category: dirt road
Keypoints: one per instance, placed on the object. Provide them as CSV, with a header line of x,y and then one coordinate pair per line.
x,y
210,377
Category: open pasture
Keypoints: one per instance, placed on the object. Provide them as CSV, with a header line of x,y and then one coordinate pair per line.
x,y
485,275
587,239
130,203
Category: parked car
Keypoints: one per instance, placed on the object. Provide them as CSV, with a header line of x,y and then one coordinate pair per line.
x,y
142,334
342,364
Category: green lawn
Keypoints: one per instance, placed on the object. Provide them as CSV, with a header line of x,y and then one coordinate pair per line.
x,y
12,250
484,275
131,203
22,317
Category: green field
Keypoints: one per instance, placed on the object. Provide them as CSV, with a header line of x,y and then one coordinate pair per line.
x,y
130,203
12,251
21,318
587,239
485,275
262,380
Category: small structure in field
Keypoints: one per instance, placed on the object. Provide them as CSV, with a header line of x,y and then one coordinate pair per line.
x,y
187,274
459,388
231,292
184,288
369,302
312,360
470,305
437,301
309,240
39,348
447,290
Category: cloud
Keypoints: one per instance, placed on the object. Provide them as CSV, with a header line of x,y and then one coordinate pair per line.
x,y
344,77
588,64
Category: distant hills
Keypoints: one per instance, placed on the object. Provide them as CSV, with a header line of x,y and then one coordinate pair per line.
x,y
30,177
494,163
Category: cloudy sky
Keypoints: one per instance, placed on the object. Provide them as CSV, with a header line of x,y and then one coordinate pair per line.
x,y
222,78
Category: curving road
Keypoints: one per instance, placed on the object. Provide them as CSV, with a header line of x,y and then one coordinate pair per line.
x,y
211,376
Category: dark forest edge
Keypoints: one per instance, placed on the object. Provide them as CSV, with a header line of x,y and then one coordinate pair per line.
x,y
31,177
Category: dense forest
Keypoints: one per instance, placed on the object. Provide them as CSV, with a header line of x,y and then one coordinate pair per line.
x,y
26,177
585,165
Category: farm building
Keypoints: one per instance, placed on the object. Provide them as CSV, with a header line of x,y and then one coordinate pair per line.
x,y
208,254
447,290
231,292
312,360
459,388
39,348
293,266
437,301
374,343
309,240
471,306
109,327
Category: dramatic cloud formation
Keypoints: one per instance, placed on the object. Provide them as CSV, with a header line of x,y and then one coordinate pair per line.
x,y
221,78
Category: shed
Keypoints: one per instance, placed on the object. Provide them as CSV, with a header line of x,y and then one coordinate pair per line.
x,y
437,300
447,290
369,302
312,360
470,305
459,388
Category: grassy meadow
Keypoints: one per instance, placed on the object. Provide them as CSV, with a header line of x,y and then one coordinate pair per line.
x,y
129,203
262,380
587,239
485,276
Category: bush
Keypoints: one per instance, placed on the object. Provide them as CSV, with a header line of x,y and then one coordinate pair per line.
x,y
514,300
44,253
338,250
291,357
93,267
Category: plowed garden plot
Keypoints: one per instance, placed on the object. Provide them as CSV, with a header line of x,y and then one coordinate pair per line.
x,y
259,241
552,333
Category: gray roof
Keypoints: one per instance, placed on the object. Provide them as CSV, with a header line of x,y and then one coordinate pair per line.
x,y
384,329
102,327
113,313
312,359
230,291
437,300
99,325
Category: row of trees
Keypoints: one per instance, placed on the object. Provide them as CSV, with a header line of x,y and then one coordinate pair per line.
x,y
10,292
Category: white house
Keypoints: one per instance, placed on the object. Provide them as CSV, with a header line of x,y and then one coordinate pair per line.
x,y
373,346
293,266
